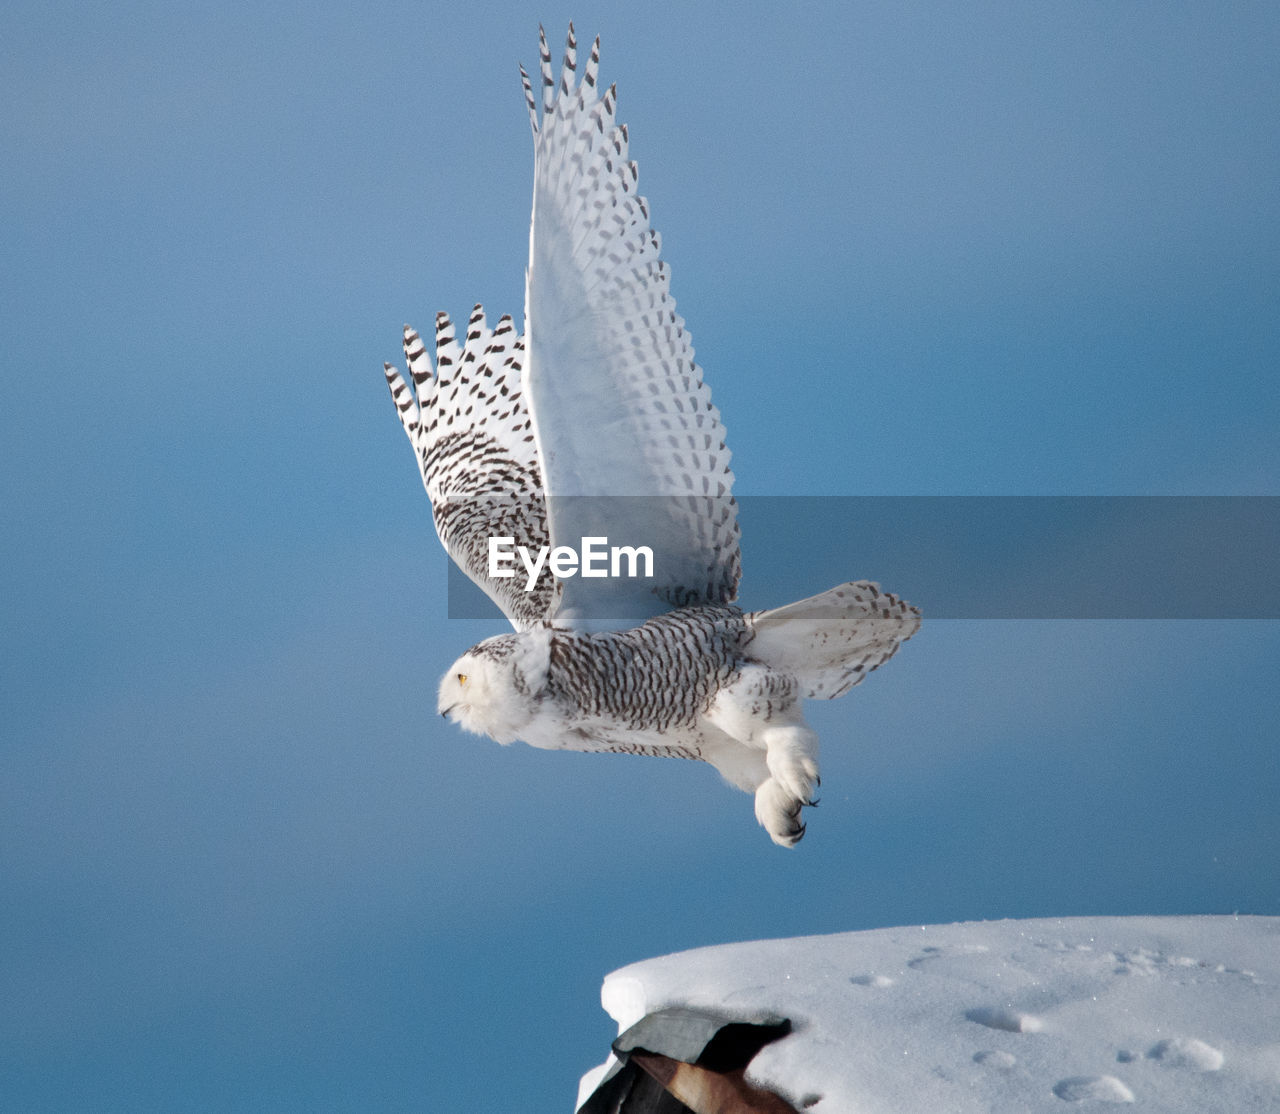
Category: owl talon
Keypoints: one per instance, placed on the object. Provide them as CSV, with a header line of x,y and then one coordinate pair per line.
x,y
779,813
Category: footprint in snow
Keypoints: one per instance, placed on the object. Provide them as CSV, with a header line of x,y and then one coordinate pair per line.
x,y
1007,1020
1093,1088
879,981
998,1061
1187,1052
931,953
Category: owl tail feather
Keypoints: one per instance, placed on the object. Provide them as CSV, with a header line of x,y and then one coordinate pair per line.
x,y
831,641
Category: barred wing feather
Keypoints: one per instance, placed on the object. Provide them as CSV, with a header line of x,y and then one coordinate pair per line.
x,y
630,446
470,429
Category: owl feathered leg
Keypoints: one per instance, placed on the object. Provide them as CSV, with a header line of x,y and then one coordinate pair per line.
x,y
761,712
792,755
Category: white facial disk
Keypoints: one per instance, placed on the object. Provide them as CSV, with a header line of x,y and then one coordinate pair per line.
x,y
480,695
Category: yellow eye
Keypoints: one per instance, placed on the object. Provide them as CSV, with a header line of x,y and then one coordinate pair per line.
x,y
462,678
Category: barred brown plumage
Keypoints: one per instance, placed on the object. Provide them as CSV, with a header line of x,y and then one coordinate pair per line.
x,y
627,675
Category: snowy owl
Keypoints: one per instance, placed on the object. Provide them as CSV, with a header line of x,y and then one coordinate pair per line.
x,y
595,427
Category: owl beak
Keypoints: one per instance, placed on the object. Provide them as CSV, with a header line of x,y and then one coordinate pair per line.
x,y
444,712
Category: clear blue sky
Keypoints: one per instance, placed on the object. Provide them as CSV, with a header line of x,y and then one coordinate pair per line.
x,y
923,248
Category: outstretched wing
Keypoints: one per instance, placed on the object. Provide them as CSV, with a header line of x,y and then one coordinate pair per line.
x,y
469,426
630,445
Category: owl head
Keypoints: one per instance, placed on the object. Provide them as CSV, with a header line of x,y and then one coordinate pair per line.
x,y
495,687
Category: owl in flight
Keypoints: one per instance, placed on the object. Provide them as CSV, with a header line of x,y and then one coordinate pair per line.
x,y
578,474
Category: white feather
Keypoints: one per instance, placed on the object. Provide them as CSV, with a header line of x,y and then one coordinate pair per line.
x,y
618,403
608,431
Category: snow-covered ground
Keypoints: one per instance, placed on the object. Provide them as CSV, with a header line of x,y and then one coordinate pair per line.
x,y
1169,1013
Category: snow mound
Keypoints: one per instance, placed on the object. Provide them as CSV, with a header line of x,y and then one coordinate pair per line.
x,y
1173,1013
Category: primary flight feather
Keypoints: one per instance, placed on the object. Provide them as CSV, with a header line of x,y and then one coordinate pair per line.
x,y
597,424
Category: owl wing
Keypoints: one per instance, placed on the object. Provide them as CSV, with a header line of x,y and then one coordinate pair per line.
x,y
630,446
469,426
